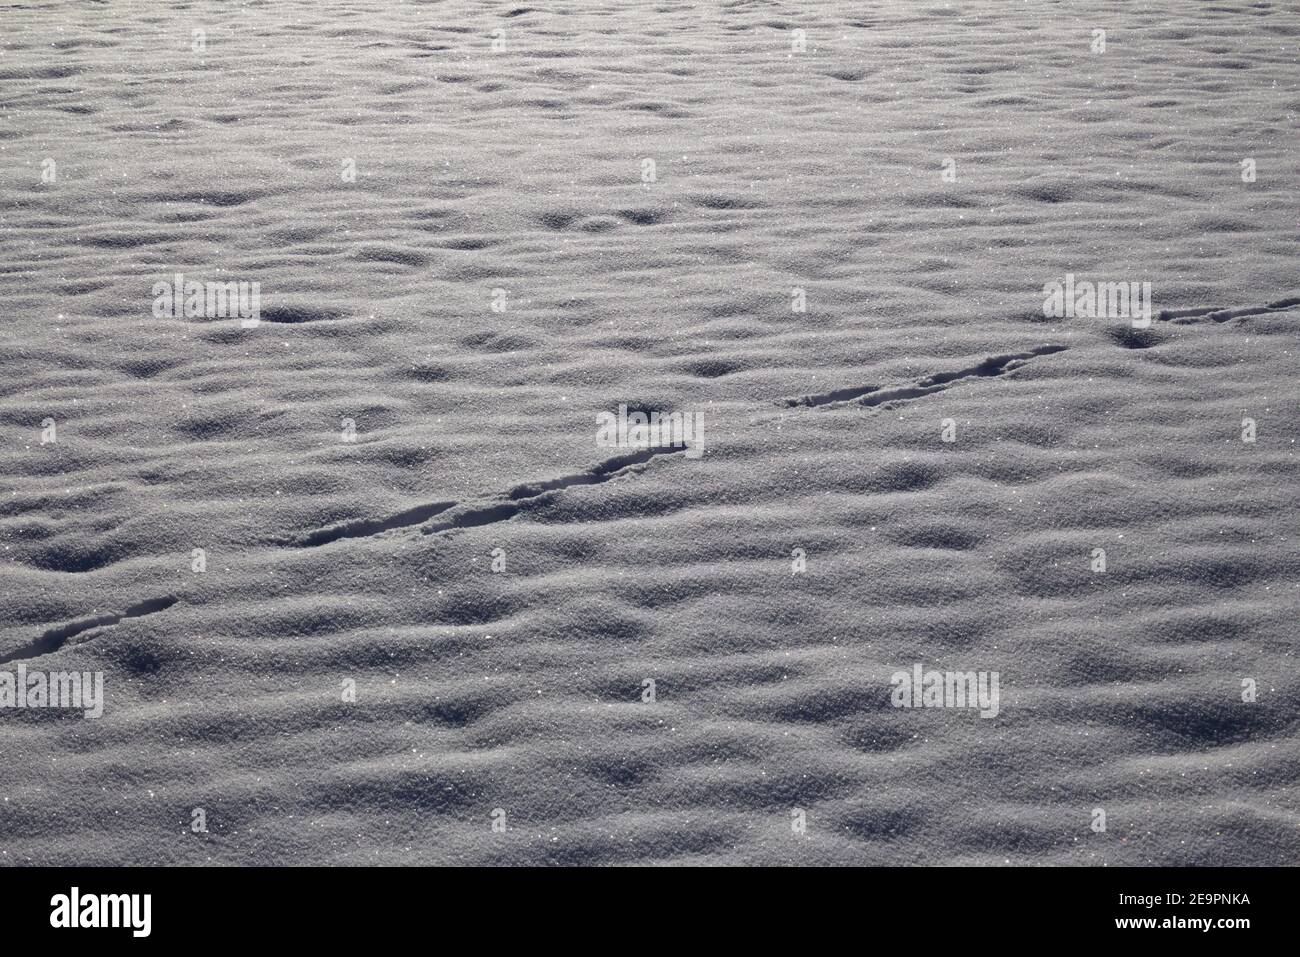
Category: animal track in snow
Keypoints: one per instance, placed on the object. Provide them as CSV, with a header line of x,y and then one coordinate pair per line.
x,y
1219,314
521,495
489,511
365,527
55,638
873,395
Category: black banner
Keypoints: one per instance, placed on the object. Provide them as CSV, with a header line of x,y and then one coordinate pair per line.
x,y
333,906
